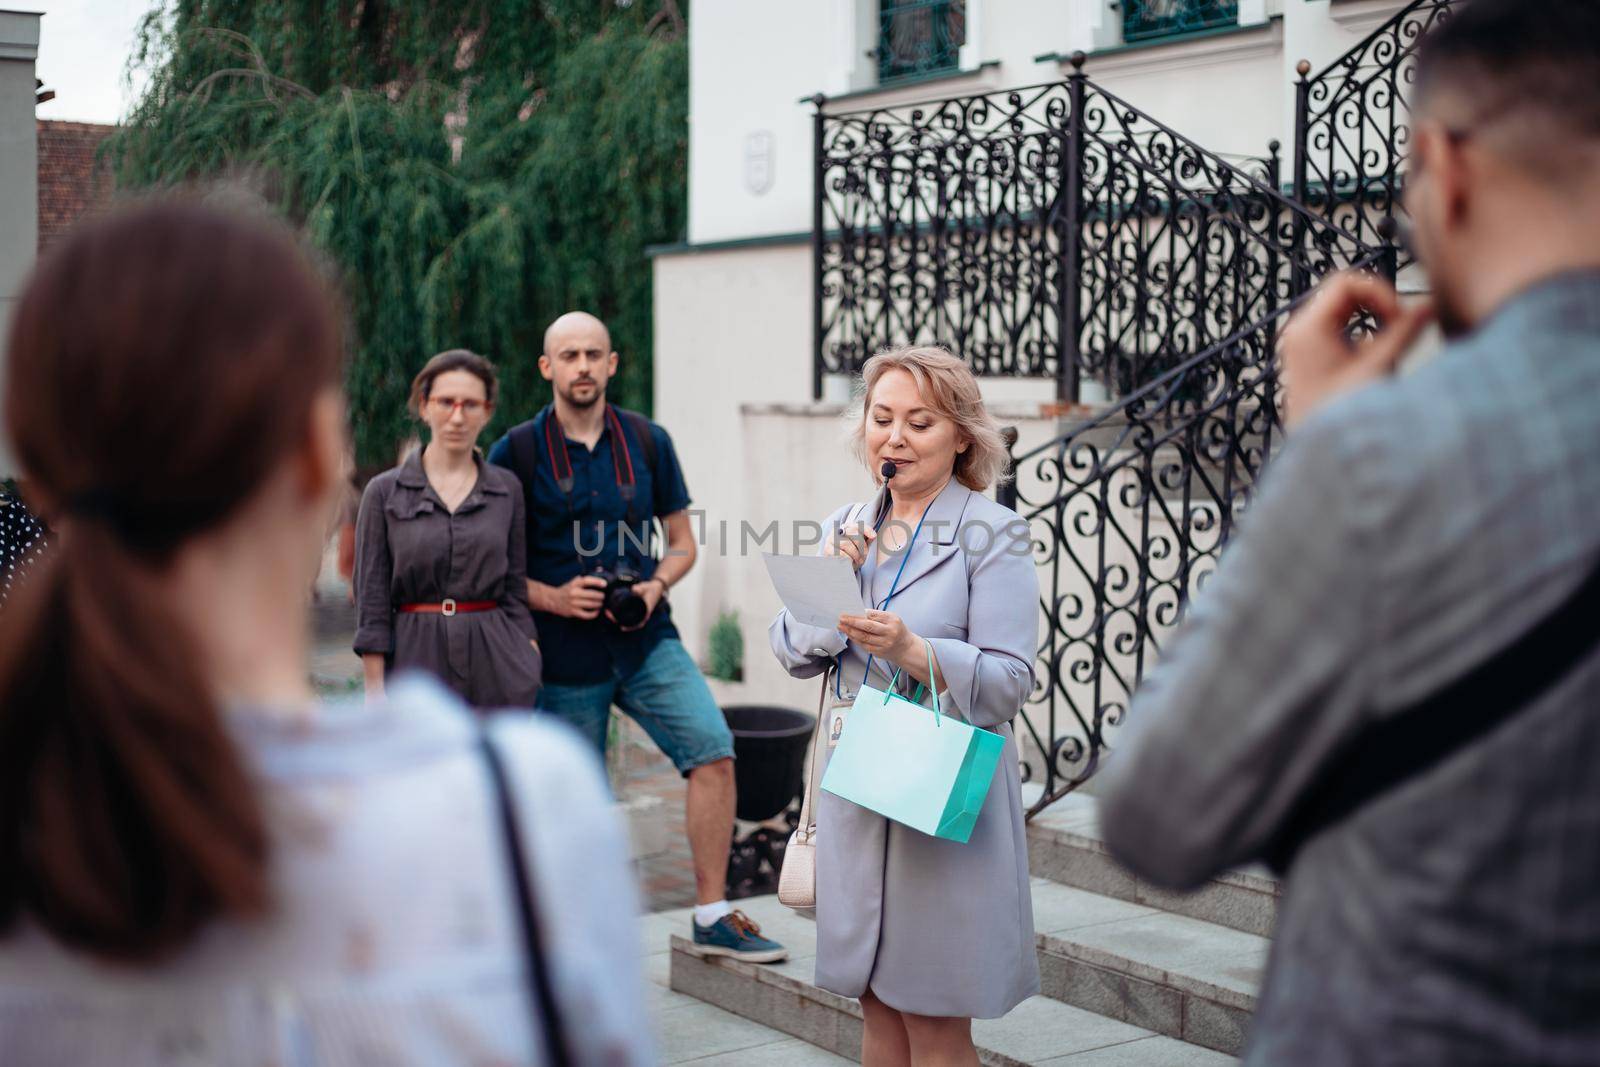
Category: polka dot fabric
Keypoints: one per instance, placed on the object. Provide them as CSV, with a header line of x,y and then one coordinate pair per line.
x,y
22,542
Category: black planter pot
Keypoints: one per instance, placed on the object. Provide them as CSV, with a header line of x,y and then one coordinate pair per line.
x,y
769,747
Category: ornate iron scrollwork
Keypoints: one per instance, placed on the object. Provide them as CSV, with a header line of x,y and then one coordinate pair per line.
x,y
1353,131
1056,231
1053,231
1129,511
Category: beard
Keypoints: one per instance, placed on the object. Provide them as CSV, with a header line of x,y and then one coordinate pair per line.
x,y
1448,306
581,402
1448,313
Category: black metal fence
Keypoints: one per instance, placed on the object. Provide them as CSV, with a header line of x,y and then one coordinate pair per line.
x,y
1058,232
1128,513
1352,125
1054,231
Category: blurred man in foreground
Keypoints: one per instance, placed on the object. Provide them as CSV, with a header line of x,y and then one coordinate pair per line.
x,y
1391,687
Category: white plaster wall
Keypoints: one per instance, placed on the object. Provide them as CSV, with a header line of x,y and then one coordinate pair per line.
x,y
731,328
19,178
750,62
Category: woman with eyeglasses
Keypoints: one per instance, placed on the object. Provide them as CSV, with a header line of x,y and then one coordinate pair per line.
x,y
441,557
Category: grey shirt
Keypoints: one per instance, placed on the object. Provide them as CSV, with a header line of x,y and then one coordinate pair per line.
x,y
1407,532
411,550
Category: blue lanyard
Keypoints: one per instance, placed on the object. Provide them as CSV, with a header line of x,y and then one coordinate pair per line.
x,y
893,587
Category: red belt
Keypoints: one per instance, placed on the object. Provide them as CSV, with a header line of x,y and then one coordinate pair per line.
x,y
450,607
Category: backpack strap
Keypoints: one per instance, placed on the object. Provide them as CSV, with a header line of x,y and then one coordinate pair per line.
x,y
1409,743
523,440
644,433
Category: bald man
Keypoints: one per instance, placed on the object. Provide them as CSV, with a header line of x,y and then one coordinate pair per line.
x,y
595,476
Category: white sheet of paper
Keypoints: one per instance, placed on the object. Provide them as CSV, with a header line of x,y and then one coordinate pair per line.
x,y
816,589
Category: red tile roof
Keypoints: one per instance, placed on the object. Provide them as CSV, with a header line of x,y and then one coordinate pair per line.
x,y
71,181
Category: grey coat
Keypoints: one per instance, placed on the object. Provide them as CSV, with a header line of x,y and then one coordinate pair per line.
x,y
931,926
410,549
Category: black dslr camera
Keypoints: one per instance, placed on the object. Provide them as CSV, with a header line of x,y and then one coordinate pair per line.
x,y
625,605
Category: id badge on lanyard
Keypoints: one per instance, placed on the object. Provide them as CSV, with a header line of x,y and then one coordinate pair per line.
x,y
839,712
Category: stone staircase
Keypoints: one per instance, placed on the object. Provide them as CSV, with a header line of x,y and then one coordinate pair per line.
x,y
1131,975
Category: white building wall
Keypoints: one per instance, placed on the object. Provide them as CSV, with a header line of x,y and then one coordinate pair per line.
x,y
19,178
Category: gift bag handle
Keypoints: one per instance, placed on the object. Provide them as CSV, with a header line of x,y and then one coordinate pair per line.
x,y
916,698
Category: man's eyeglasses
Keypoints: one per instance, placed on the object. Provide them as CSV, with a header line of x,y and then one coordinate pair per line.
x,y
446,406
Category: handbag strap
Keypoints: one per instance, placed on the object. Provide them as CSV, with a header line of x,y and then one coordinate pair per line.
x,y
545,1014
1408,743
808,825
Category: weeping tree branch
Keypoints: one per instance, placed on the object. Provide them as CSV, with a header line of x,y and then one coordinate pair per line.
x,y
574,161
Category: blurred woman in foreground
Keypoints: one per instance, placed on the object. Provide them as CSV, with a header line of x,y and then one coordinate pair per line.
x,y
199,860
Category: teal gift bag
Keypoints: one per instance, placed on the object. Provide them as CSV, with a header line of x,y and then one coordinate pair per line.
x,y
912,764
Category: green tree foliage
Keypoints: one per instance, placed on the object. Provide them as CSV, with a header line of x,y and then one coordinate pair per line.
x,y
473,169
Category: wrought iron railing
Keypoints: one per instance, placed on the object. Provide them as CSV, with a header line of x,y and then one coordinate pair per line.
x,y
1352,124
1128,512
917,37
1056,231
1053,231
22,541
1144,19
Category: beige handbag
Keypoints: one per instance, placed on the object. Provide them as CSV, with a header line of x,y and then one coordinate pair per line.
x,y
797,882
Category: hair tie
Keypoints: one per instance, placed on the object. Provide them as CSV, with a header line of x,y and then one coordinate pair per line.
x,y
91,504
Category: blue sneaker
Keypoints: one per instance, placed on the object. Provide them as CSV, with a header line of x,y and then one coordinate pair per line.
x,y
736,936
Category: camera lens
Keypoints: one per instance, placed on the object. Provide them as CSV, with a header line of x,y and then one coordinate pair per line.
x,y
626,606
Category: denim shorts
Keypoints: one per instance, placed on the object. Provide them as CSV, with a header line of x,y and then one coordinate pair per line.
x,y
667,696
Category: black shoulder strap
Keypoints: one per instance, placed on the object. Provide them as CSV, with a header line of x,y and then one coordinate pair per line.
x,y
641,430
546,1016
523,440
1411,742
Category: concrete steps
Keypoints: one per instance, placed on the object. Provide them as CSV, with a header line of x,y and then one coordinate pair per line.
x,y
1123,982
1064,845
689,1030
1167,973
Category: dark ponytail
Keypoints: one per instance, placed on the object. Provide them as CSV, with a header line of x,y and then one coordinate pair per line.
x,y
162,362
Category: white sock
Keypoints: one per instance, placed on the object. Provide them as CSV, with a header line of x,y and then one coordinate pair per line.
x,y
706,914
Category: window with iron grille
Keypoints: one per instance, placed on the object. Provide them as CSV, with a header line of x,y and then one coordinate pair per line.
x,y
917,37
1144,19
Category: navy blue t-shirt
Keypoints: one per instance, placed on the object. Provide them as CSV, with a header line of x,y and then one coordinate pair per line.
x,y
574,533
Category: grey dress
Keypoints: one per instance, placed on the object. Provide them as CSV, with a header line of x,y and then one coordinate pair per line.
x,y
934,927
411,549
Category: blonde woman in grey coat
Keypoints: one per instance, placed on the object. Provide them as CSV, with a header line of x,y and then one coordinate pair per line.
x,y
928,933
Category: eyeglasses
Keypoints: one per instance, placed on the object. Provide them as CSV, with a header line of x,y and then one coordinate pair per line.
x,y
446,406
